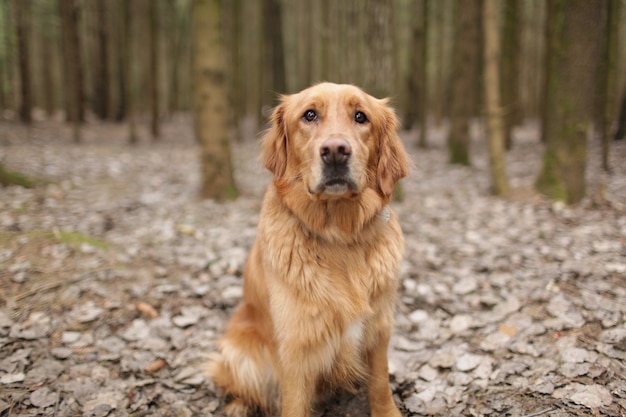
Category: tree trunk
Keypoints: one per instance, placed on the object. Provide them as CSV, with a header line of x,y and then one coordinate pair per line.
x,y
102,99
608,85
495,118
49,85
274,51
380,38
573,55
417,66
235,70
510,68
423,117
154,68
443,41
533,63
465,79
211,103
73,63
22,14
128,79
620,132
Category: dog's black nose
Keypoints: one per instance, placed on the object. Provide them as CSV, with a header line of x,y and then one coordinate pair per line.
x,y
335,151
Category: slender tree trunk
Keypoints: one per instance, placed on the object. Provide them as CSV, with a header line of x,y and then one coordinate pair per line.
x,y
102,99
417,67
236,71
620,132
443,35
465,61
128,76
510,68
423,117
49,84
381,69
211,102
22,14
534,65
119,34
74,89
154,68
545,75
609,78
178,49
4,102
495,117
274,56
573,55
73,64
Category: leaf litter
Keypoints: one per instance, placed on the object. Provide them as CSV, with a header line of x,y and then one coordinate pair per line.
x,y
116,281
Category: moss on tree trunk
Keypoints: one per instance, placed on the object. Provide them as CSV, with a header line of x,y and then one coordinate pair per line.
x,y
211,103
574,33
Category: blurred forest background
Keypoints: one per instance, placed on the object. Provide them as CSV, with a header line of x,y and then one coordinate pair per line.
x,y
557,63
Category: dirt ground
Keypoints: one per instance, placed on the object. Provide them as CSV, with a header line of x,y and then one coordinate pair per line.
x,y
116,280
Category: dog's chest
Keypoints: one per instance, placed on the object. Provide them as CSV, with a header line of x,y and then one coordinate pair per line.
x,y
353,334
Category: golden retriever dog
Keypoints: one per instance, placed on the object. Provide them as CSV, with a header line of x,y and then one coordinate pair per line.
x,y
321,279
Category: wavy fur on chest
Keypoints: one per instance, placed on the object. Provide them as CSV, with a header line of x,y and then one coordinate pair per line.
x,y
326,248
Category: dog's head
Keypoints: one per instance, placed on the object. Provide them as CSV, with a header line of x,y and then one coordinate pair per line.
x,y
337,140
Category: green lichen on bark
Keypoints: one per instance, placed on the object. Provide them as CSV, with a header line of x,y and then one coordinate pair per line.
x,y
549,182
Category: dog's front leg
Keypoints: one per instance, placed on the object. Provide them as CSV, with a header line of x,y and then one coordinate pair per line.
x,y
378,390
297,388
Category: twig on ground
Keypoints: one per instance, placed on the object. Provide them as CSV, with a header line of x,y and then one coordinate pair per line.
x,y
538,413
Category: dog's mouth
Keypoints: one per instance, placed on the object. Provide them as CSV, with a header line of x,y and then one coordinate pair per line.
x,y
335,187
337,182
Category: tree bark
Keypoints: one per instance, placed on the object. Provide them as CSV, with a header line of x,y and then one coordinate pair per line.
x,y
75,93
608,86
465,79
274,50
49,56
128,78
417,67
235,70
211,102
510,68
73,64
154,69
380,38
22,14
620,132
102,98
573,55
495,117
423,117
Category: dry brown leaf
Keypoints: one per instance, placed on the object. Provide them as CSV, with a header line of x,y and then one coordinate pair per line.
x,y
155,366
146,309
507,329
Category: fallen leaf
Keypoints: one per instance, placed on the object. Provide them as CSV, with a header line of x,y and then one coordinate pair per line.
x,y
155,366
146,309
507,329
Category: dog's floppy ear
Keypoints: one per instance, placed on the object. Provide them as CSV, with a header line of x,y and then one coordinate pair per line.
x,y
393,162
274,144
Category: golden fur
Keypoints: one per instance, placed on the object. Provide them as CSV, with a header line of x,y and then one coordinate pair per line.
x,y
320,281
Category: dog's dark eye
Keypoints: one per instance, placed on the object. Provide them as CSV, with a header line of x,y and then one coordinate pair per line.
x,y
309,115
360,117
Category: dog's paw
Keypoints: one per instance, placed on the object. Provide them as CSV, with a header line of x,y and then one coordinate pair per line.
x,y
238,408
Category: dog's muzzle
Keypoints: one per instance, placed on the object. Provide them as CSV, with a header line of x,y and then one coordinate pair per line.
x,y
335,154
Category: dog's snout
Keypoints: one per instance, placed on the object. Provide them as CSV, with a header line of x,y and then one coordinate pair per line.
x,y
335,151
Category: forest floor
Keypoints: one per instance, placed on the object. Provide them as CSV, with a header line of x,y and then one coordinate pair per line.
x,y
116,281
